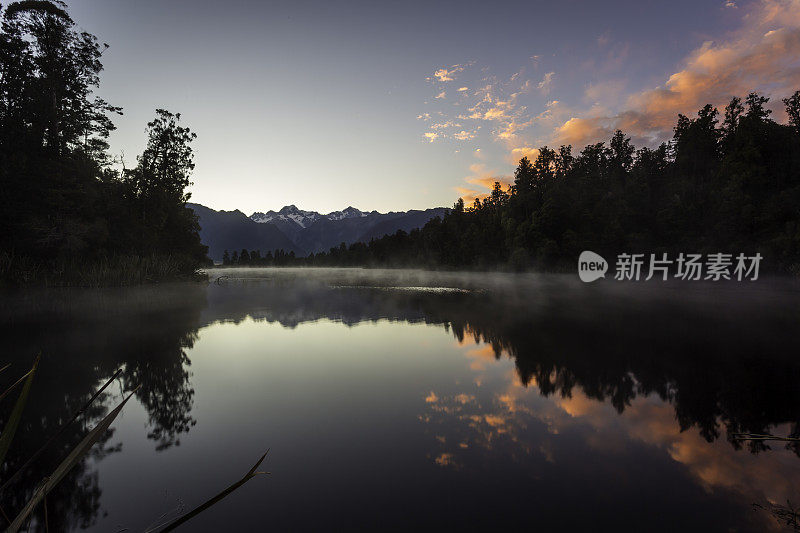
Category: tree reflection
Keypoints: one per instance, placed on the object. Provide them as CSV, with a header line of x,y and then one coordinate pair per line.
x,y
728,370
84,336
722,356
722,360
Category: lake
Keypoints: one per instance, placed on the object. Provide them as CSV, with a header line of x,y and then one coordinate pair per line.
x,y
405,400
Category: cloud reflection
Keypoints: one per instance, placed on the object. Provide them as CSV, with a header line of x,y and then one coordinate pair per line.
x,y
497,411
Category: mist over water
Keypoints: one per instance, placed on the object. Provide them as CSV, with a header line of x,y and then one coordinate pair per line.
x,y
399,399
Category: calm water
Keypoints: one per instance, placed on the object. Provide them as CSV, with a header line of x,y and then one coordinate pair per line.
x,y
398,400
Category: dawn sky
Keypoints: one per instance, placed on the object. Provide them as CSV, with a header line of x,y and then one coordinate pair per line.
x,y
401,105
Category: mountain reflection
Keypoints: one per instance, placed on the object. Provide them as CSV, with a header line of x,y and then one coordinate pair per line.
x,y
678,368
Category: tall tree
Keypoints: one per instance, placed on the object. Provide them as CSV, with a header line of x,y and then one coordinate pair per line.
x,y
793,109
158,185
52,132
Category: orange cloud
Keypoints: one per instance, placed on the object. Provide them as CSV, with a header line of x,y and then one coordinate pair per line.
x,y
714,465
448,73
468,195
580,131
523,151
482,177
762,55
464,398
489,181
483,419
446,459
509,130
544,85
481,355
606,92
496,113
464,135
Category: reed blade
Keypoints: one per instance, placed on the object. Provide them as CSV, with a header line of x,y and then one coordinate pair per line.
x,y
216,499
61,430
67,464
16,414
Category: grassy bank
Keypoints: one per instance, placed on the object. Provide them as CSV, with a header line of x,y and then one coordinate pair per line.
x,y
114,271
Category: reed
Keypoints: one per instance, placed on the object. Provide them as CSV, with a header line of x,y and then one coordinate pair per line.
x,y
77,454
74,457
10,429
113,271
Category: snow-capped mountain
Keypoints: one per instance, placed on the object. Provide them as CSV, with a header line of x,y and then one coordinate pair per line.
x,y
349,212
288,213
293,229
306,218
233,230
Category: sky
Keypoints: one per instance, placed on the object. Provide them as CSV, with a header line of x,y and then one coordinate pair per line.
x,y
398,105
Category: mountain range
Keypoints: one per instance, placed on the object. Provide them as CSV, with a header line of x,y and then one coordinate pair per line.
x,y
299,231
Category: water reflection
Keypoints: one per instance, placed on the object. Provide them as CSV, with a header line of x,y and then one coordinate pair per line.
x,y
575,385
84,336
723,356
681,370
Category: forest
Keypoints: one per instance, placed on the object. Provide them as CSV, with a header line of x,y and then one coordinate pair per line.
x,y
70,212
73,214
724,183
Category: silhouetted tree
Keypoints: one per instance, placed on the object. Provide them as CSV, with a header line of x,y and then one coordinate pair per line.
x,y
62,204
244,257
793,109
734,186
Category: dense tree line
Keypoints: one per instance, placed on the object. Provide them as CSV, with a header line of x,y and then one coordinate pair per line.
x,y
722,184
63,204
254,258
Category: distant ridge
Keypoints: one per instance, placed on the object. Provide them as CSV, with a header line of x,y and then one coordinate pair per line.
x,y
294,229
306,218
233,230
